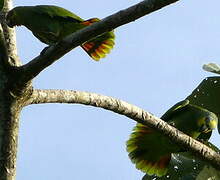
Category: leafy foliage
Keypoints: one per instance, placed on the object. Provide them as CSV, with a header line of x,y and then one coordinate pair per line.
x,y
184,166
212,67
207,95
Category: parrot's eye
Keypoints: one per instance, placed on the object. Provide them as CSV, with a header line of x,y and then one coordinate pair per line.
x,y
207,120
205,128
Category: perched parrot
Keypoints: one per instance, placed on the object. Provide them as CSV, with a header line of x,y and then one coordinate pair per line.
x,y
151,151
50,24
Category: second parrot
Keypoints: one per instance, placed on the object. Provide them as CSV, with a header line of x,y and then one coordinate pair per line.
x,y
151,151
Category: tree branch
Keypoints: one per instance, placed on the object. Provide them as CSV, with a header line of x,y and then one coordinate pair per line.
x,y
132,112
53,53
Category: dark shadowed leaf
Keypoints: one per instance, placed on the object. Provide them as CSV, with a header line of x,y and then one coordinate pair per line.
x,y
207,95
1,4
208,173
184,166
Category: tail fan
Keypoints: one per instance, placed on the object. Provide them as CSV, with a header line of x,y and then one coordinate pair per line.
x,y
141,153
99,46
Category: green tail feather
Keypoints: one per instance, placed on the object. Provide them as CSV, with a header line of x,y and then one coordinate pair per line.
x,y
99,46
144,155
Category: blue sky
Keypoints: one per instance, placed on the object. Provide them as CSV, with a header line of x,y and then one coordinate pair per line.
x,y
157,61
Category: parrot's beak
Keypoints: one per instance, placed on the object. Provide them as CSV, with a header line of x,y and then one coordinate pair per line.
x,y
207,130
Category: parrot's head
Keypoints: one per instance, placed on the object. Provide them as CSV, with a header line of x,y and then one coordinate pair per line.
x,y
208,122
12,18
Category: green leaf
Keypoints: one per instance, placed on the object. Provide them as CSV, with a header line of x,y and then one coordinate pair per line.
x,y
212,67
207,95
180,168
2,2
184,166
208,173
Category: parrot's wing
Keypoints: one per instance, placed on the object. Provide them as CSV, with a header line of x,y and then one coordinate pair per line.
x,y
180,106
46,36
57,12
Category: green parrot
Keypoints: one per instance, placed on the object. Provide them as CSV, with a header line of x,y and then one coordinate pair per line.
x,y
51,24
151,152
